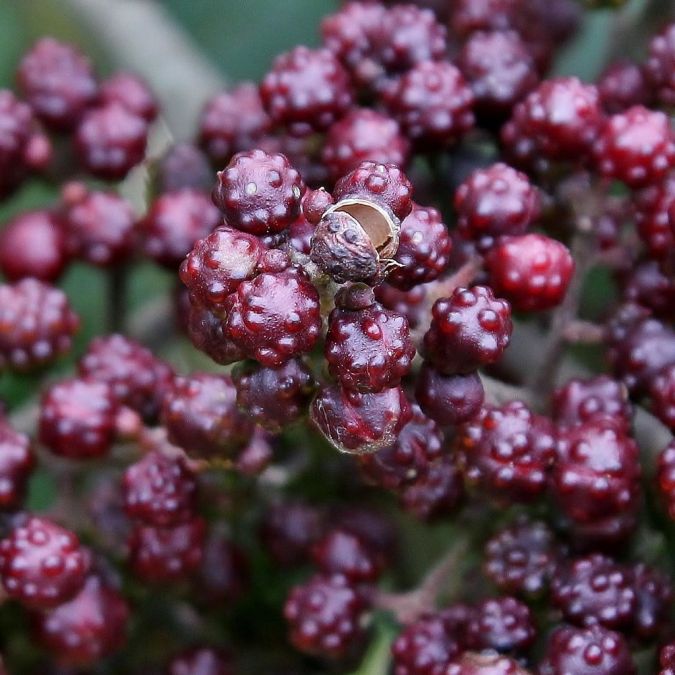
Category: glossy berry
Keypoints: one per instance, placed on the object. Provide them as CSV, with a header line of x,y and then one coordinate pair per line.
x,y
183,165
408,303
494,202
325,616
342,553
423,249
507,452
448,399
32,244
130,91
484,663
368,348
306,90
469,329
36,325
42,564
167,554
531,271
621,85
660,63
201,416
654,601
522,558
259,193
16,465
208,333
78,418
274,397
636,147
586,651
99,226
57,81
363,134
87,628
314,204
201,661
110,141
502,624
665,478
137,378
174,222
595,589
274,317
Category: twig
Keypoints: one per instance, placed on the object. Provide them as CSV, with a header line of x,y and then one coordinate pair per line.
x,y
578,331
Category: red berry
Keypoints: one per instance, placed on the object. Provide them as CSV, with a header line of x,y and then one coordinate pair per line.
x,y
16,465
654,601
343,553
32,244
130,91
42,564
502,624
660,65
408,303
621,85
667,659
314,204
648,285
665,477
208,334
224,572
201,661
485,663
652,218
306,90
469,329
182,166
300,235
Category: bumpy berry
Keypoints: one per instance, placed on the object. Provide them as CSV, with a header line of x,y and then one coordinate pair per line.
x,y
469,329
306,90
86,629
408,303
363,134
507,452
342,553
648,285
586,651
503,624
274,317
652,218
16,465
485,663
666,477
36,325
200,661
662,393
358,423
42,564
274,397
494,202
183,165
200,413
174,222
167,554
325,616
621,85
532,271
636,147
32,244
57,81
208,334
522,558
259,193
500,71
130,91
654,600
110,141
448,399
660,65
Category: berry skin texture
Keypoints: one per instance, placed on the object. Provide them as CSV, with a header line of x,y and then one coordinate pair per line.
x,y
110,141
654,599
200,661
42,564
325,616
448,399
423,249
174,222
507,452
162,555
532,271
363,134
649,286
159,489
409,303
623,84
502,624
665,478
131,92
469,329
654,225
58,83
595,590
16,465
586,651
662,393
32,244
78,418
259,193
207,333
274,317
433,104
201,416
36,325
660,65
494,202
357,423
636,147
343,553
306,90
86,629
368,348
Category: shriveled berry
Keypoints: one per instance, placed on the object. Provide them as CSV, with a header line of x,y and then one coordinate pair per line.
x,y
503,624
343,553
130,91
201,661
208,333
183,165
42,564
16,465
654,601
621,85
660,65
469,329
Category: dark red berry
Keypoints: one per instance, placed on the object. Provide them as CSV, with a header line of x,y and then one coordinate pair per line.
x,y
660,65
87,628
57,81
32,244
665,477
201,661
502,624
314,204
130,91
256,456
652,218
306,90
343,553
621,85
174,222
42,564
200,413
648,285
484,663
667,659
325,616
208,334
469,16
662,394
224,573
167,554
182,166
274,397
358,423
300,235
469,329
408,303
654,600
373,526
16,465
